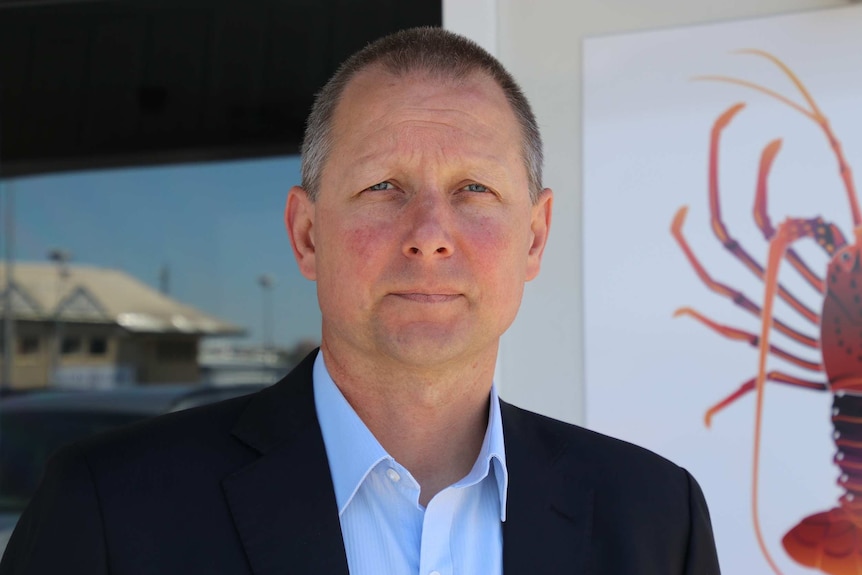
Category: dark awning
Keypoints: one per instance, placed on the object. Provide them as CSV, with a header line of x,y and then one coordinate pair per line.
x,y
87,83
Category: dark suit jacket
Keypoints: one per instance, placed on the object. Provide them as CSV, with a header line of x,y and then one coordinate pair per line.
x,y
243,487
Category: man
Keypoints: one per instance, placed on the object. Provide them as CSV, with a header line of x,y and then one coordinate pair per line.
x,y
420,218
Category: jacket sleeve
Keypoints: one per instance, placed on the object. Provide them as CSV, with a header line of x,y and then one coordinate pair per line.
x,y
61,530
701,556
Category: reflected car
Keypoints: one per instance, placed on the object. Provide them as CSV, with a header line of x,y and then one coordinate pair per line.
x,y
35,425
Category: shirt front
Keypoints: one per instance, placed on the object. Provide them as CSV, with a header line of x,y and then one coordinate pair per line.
x,y
385,528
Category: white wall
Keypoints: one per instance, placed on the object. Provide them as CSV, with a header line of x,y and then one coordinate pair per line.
x,y
539,41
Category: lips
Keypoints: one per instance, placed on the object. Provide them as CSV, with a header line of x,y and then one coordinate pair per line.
x,y
427,297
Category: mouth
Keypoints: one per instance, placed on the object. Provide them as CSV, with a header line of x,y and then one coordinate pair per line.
x,y
420,297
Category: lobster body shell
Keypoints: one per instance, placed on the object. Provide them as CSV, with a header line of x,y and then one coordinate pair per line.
x,y
831,541
841,322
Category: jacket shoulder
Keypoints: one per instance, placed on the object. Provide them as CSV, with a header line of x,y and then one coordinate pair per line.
x,y
647,513
573,448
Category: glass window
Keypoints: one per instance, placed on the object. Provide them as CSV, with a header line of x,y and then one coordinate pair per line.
x,y
71,345
28,345
167,263
98,346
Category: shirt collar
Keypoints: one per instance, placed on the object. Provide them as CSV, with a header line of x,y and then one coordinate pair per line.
x,y
353,451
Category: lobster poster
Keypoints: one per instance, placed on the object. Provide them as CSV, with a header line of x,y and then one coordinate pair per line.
x,y
723,273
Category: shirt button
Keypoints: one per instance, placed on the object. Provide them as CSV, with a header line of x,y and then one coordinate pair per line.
x,y
395,478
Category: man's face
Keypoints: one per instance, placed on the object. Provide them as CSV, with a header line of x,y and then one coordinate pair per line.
x,y
423,232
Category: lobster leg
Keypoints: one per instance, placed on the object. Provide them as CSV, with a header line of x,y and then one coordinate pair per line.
x,y
813,114
751,338
828,236
749,386
734,295
719,228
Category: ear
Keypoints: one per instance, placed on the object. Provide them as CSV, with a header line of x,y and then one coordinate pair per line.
x,y
540,226
299,221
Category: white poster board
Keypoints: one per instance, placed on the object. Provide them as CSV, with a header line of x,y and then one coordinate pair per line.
x,y
651,377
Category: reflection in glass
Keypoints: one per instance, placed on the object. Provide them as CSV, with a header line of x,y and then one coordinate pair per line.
x,y
167,280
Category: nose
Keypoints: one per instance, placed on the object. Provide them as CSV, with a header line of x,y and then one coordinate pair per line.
x,y
429,230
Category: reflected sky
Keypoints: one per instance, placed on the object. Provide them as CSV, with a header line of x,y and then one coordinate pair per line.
x,y
218,226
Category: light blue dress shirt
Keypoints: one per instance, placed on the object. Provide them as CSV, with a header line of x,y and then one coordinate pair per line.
x,y
385,529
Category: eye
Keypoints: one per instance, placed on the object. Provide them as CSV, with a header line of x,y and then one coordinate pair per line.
x,y
475,188
381,186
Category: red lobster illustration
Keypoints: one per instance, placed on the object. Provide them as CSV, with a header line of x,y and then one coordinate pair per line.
x,y
830,541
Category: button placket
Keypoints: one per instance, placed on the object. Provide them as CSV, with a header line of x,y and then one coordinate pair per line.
x,y
435,557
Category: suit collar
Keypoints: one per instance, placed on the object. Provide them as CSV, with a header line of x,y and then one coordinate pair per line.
x,y
551,499
283,503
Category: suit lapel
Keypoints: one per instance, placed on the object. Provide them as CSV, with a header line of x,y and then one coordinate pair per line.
x,y
550,504
283,504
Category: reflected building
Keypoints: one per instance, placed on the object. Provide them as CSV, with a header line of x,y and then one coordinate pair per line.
x,y
98,327
231,364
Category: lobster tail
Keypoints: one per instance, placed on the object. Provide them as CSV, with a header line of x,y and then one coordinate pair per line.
x,y
831,541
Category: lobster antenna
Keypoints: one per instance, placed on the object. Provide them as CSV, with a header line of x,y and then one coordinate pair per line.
x,y
777,248
762,89
790,74
813,114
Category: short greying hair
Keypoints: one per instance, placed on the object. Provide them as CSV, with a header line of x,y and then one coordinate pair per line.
x,y
431,50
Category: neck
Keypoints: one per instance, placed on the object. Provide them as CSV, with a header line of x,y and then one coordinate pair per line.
x,y
431,423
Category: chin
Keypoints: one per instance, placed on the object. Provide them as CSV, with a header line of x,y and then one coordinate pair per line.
x,y
434,350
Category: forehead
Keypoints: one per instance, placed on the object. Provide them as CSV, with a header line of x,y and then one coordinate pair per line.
x,y
376,99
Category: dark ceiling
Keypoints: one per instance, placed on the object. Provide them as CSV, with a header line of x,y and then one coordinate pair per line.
x,y
90,84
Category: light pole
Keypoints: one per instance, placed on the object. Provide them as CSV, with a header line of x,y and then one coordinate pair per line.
x,y
61,258
265,282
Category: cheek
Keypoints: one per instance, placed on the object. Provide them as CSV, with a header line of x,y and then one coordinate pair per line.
x,y
356,251
361,241
498,245
348,238
365,252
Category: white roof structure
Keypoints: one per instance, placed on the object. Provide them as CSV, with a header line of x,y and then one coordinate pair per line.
x,y
89,294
